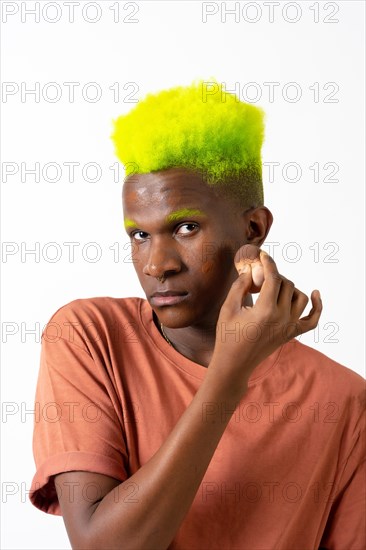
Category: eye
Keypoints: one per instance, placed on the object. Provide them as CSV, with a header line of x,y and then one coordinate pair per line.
x,y
138,235
187,228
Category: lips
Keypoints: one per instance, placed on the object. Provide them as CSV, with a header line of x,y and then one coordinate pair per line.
x,y
169,293
168,297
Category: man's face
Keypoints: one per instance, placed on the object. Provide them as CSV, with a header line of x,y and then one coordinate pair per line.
x,y
181,229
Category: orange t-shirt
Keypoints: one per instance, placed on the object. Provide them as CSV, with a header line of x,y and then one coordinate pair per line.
x,y
287,473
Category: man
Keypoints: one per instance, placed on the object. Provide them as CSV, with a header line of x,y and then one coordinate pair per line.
x,y
193,419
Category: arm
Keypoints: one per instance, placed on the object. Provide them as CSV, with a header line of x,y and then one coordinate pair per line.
x,y
166,485
168,482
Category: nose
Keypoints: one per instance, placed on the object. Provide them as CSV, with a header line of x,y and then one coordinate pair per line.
x,y
162,259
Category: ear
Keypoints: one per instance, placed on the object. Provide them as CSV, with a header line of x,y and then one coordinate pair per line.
x,y
258,222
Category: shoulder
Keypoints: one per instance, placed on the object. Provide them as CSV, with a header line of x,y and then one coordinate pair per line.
x,y
322,366
98,307
318,373
91,318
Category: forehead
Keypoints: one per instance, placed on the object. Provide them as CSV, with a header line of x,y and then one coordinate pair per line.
x,y
176,187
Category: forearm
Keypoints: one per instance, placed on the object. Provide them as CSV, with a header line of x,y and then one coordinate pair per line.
x,y
168,482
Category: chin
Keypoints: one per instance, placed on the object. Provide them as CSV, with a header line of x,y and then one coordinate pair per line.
x,y
171,317
178,317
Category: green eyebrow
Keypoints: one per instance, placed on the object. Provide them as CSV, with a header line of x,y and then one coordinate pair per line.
x,y
184,213
129,223
174,216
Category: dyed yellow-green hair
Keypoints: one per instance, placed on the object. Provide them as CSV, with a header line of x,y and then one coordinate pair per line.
x,y
200,127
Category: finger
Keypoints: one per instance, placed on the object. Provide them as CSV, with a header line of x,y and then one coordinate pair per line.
x,y
309,322
298,304
239,289
272,280
286,293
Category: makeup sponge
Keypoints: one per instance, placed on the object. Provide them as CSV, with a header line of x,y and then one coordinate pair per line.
x,y
249,255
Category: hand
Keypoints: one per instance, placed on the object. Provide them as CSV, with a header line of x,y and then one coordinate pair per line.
x,y
247,335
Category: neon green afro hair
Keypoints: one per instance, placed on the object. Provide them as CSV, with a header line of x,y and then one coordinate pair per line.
x,y
199,127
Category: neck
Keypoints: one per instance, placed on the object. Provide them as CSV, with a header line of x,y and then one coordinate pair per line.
x,y
191,342
194,342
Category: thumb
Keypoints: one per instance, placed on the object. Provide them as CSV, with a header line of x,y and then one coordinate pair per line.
x,y
239,289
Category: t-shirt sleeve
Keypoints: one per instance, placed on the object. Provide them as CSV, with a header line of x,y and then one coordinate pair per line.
x,y
78,416
346,525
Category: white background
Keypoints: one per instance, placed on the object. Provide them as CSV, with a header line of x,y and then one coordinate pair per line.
x,y
155,45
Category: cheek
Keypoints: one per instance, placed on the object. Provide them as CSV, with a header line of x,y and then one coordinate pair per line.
x,y
219,263
207,266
